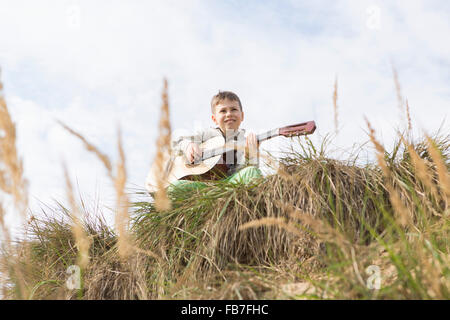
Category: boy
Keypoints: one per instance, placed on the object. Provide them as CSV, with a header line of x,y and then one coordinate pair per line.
x,y
227,114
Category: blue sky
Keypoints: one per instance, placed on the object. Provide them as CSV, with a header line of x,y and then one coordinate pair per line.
x,y
97,64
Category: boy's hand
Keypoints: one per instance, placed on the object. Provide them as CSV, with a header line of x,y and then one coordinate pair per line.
x,y
193,152
251,146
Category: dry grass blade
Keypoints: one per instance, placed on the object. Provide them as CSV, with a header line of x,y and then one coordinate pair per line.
x,y
11,177
271,221
322,229
122,204
162,201
420,168
82,241
408,115
403,215
442,171
335,106
400,101
13,183
6,241
379,150
125,243
398,89
91,148
119,181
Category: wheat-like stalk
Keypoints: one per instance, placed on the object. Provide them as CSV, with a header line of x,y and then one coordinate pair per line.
x,y
271,221
400,100
420,168
12,182
122,203
125,243
91,148
82,241
398,89
162,201
335,96
119,181
408,116
442,171
403,215
379,150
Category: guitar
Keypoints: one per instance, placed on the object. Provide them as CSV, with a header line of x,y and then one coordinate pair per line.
x,y
211,164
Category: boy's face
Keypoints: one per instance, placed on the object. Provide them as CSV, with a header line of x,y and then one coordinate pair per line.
x,y
228,115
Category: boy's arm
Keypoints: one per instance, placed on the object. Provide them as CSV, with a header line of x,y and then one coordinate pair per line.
x,y
182,143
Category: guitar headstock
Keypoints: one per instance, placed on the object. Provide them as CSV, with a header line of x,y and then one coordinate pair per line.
x,y
298,129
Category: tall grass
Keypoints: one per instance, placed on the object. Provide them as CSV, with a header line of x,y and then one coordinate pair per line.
x,y
318,228
14,185
163,145
335,108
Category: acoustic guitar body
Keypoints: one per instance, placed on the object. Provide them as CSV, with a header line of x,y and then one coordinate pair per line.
x,y
177,168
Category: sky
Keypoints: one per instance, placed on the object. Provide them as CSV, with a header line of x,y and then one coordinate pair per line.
x,y
99,65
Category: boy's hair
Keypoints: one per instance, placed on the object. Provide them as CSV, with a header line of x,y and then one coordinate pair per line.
x,y
223,95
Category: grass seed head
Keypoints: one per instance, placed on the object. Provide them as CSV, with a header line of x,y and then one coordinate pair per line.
x,y
82,241
163,146
441,168
335,96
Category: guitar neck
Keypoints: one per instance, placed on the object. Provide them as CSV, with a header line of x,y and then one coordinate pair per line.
x,y
268,135
260,138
